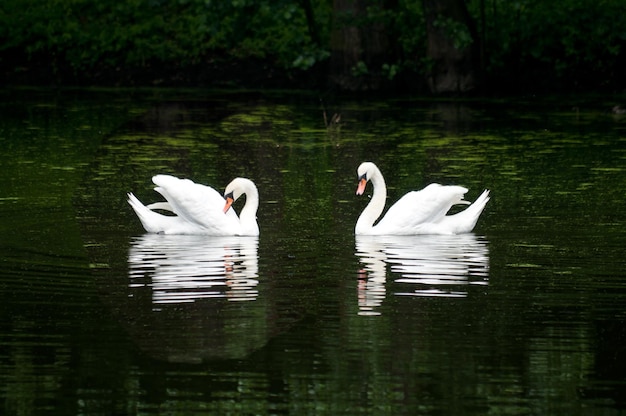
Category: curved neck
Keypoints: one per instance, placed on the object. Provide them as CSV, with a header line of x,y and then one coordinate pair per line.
x,y
247,216
376,205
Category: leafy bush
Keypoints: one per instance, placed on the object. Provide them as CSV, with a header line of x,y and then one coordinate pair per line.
x,y
570,43
567,43
86,34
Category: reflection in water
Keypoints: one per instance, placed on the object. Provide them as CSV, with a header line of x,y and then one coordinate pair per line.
x,y
431,265
372,278
177,304
184,268
549,340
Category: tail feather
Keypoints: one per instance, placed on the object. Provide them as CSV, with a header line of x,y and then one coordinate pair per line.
x,y
476,209
147,217
465,221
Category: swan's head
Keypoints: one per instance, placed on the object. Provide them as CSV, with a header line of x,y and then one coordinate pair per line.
x,y
235,189
365,172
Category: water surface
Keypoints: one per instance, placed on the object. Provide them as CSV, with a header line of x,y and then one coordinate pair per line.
x,y
523,316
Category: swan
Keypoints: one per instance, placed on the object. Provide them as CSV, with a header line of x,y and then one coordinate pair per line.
x,y
417,212
199,209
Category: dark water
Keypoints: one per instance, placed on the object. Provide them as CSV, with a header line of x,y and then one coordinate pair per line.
x,y
526,316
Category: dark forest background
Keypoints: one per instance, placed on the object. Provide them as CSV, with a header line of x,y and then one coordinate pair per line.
x,y
424,46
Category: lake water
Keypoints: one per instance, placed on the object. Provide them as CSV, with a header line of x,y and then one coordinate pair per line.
x,y
525,316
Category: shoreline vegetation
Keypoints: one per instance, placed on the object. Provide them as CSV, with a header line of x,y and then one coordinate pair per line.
x,y
438,47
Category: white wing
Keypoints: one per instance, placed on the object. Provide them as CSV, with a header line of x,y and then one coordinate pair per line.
x,y
197,204
153,222
417,209
464,221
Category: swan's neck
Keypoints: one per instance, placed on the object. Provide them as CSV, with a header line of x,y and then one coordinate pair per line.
x,y
375,207
247,216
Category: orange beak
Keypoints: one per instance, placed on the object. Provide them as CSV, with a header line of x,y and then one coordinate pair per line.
x,y
229,202
361,188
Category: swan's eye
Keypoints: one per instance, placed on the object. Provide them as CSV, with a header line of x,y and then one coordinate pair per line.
x,y
228,195
363,177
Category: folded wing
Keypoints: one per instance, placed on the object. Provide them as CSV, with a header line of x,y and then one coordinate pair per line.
x,y
197,204
418,209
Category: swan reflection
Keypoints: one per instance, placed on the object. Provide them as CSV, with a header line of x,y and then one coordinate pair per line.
x,y
177,302
186,268
427,265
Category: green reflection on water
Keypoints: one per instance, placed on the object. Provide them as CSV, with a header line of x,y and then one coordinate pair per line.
x,y
528,342
47,141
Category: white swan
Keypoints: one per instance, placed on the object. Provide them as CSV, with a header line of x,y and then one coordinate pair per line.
x,y
199,209
417,212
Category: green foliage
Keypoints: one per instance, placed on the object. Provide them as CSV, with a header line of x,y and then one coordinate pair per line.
x,y
523,42
526,43
570,42
360,69
390,71
455,30
84,34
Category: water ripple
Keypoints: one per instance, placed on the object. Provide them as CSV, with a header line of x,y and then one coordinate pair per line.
x,y
427,265
183,268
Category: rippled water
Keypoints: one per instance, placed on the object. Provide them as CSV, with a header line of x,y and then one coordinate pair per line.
x,y
524,316
186,268
426,265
